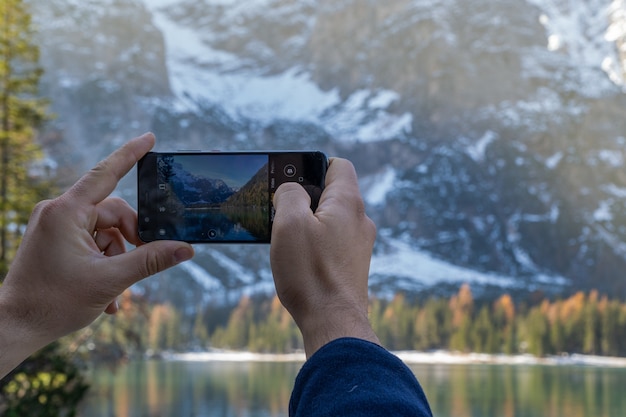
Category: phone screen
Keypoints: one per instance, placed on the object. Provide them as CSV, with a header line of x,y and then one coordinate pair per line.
x,y
219,196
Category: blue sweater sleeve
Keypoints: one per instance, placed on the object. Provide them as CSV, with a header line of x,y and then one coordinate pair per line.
x,y
353,377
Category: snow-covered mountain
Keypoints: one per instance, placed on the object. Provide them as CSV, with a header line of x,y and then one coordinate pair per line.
x,y
489,137
192,189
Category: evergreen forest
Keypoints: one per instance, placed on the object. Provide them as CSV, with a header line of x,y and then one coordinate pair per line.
x,y
581,323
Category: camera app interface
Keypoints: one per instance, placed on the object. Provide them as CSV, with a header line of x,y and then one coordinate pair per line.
x,y
213,197
219,197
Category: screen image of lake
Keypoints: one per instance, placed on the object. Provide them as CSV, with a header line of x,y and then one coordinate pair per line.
x,y
226,223
216,197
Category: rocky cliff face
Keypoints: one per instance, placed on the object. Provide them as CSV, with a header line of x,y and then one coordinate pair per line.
x,y
489,137
104,69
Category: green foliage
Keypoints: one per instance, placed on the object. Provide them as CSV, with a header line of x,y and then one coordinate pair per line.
x,y
114,338
433,325
200,330
265,327
46,385
253,193
21,113
578,324
536,328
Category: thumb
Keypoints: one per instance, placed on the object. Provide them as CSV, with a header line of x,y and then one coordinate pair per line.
x,y
291,196
147,260
293,211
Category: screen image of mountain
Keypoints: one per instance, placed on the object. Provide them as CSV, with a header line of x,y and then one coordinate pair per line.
x,y
225,193
195,190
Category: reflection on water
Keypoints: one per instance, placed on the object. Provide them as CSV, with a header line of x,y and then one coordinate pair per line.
x,y
225,389
523,390
227,223
168,389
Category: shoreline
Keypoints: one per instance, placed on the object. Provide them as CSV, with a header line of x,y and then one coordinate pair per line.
x,y
439,357
457,358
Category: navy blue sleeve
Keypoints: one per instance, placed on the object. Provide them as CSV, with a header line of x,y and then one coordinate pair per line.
x,y
353,377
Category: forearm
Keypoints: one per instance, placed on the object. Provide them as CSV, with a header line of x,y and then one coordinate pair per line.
x,y
322,328
18,336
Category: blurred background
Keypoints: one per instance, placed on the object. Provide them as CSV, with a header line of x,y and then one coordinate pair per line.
x,y
488,138
489,141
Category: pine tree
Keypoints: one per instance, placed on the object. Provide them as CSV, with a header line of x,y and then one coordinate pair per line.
x,y
504,319
47,383
610,328
397,318
462,308
483,336
537,332
591,322
200,332
21,113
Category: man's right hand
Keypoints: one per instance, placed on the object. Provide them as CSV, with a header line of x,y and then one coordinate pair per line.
x,y
320,261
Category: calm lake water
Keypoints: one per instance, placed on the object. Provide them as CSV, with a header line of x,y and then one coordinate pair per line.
x,y
255,389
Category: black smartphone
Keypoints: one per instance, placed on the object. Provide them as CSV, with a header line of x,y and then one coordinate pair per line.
x,y
219,197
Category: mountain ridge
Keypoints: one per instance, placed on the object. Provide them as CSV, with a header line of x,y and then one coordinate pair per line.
x,y
488,139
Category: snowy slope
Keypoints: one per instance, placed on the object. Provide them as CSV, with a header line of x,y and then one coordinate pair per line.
x,y
248,94
579,31
362,117
488,137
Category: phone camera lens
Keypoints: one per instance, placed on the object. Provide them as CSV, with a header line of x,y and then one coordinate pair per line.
x,y
212,234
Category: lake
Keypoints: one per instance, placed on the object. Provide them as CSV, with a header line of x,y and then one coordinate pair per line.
x,y
253,389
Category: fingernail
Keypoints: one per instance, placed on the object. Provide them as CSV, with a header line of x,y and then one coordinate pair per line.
x,y
183,254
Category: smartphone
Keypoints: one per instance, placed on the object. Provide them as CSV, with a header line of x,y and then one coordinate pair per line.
x,y
219,197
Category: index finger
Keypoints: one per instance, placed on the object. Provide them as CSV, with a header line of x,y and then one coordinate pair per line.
x,y
100,181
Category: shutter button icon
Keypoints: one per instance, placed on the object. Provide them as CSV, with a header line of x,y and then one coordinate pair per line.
x,y
289,170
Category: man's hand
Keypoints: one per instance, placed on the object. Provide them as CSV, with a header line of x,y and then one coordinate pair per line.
x,y
321,260
72,263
